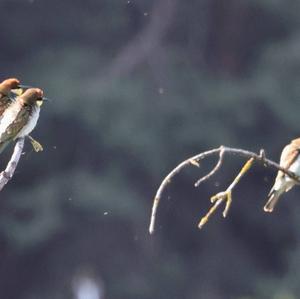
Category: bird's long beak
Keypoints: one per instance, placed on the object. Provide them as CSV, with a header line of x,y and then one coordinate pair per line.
x,y
24,86
18,91
42,100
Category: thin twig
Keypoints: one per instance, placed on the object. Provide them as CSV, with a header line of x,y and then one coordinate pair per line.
x,y
195,159
214,170
9,171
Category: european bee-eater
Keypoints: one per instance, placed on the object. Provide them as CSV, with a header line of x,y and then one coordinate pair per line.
x,y
21,116
290,160
6,92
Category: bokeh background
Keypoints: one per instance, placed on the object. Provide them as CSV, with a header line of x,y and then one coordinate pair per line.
x,y
138,86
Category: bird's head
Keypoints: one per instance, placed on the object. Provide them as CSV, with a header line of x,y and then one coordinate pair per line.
x,y
11,87
32,96
7,85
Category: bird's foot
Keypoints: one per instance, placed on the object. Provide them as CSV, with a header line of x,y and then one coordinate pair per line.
x,y
35,144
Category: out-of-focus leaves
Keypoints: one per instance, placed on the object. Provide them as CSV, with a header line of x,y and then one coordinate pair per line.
x,y
223,73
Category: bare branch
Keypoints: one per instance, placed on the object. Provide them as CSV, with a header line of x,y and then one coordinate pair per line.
x,y
168,178
9,171
251,156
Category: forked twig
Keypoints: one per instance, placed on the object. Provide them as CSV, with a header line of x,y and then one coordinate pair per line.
x,y
225,195
9,171
220,197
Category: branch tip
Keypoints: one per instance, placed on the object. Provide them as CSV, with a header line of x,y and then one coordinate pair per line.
x,y
153,214
202,222
262,154
228,203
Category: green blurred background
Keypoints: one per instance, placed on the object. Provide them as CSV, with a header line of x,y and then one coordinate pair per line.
x,y
138,86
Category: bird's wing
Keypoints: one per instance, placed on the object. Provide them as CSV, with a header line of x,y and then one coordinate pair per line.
x,y
15,127
289,155
5,101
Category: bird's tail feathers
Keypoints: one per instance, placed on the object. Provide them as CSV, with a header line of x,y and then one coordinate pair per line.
x,y
3,145
273,197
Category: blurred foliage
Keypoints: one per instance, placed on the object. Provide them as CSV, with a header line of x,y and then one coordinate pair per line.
x,y
223,73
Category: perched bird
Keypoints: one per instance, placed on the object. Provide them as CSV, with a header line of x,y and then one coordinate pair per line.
x,y
290,160
6,92
20,118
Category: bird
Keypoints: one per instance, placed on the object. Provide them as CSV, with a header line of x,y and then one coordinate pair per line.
x,y
21,117
7,94
9,90
290,160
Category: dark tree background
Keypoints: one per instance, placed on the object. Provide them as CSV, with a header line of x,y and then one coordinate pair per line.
x,y
138,86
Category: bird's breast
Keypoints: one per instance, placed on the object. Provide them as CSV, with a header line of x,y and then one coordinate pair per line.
x,y
295,167
9,117
32,121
